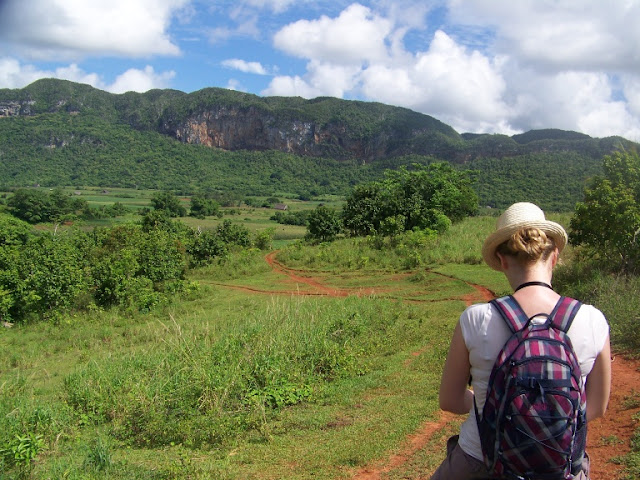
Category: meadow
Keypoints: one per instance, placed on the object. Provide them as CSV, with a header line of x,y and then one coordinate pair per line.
x,y
315,369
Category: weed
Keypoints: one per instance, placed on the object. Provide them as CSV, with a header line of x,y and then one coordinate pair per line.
x,y
20,453
99,456
632,401
610,440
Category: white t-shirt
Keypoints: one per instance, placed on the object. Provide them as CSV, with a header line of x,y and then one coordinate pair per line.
x,y
485,333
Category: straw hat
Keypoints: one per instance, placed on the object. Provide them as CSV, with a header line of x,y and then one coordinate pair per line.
x,y
518,216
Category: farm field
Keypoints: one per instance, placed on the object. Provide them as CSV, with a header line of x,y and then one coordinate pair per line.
x,y
308,362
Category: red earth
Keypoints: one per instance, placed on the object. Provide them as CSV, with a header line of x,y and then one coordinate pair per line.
x,y
609,437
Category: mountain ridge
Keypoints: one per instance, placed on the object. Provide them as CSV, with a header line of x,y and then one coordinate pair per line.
x,y
319,127
55,132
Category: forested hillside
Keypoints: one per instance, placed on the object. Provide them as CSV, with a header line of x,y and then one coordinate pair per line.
x,y
56,133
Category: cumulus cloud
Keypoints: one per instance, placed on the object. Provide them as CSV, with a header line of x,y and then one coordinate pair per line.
x,y
322,79
135,80
590,34
13,74
74,28
356,35
351,55
490,67
244,66
459,87
631,89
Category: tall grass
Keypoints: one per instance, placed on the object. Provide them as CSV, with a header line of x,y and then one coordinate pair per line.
x,y
230,385
202,385
462,243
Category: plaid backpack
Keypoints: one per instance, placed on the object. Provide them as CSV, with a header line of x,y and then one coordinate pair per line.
x,y
533,424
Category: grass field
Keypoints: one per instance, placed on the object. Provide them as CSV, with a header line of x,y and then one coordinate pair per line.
x,y
314,368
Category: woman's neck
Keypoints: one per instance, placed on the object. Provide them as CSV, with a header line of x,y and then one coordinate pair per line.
x,y
529,274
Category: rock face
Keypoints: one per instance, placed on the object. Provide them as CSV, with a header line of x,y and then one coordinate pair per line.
x,y
15,108
237,128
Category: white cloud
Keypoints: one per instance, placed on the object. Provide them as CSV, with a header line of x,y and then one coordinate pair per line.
x,y
579,101
288,86
244,66
559,35
245,28
459,87
275,5
46,29
322,79
631,88
349,56
534,65
13,74
356,35
140,80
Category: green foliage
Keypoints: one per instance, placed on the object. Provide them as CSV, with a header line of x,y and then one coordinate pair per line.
x,y
428,197
70,134
130,267
554,180
299,217
13,231
98,456
233,234
324,224
36,206
20,453
608,221
42,277
205,246
168,203
201,390
616,295
203,206
263,240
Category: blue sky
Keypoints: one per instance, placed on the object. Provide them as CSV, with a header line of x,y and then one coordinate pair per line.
x,y
497,66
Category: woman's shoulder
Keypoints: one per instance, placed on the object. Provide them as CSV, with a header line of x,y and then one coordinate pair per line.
x,y
593,316
476,311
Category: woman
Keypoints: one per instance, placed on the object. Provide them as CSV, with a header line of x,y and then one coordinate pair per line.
x,y
525,247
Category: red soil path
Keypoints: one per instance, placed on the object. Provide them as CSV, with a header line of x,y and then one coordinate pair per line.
x,y
609,437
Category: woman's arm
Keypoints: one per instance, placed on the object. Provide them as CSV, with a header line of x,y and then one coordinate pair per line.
x,y
455,397
598,384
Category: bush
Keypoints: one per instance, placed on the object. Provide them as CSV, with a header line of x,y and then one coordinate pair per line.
x,y
324,224
167,202
607,223
428,197
43,277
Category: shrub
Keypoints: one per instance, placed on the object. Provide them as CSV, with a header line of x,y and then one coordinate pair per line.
x,y
608,221
323,224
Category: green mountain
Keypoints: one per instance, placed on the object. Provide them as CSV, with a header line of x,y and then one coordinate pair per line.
x,y
55,132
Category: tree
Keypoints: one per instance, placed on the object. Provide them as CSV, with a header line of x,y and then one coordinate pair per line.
x,y
608,221
324,224
203,206
427,197
169,203
35,206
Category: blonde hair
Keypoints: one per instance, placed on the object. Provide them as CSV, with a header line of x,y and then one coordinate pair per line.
x,y
528,245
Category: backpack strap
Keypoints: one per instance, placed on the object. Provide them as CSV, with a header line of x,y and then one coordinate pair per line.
x,y
564,312
511,312
561,317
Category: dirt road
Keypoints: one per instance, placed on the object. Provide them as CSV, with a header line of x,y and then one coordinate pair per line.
x,y
608,438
